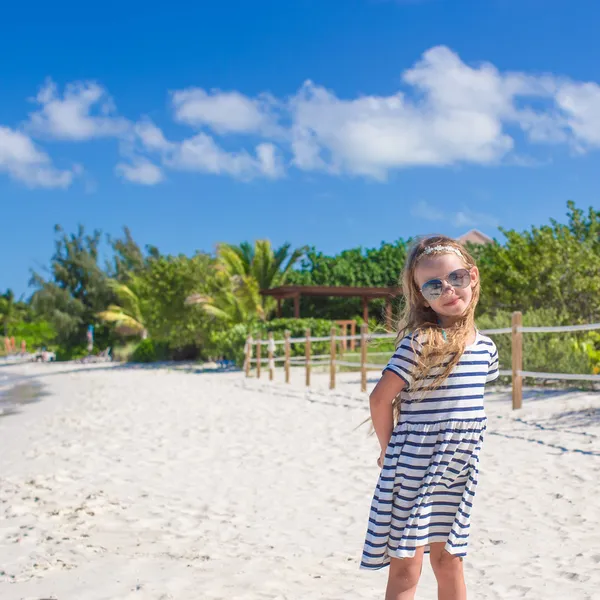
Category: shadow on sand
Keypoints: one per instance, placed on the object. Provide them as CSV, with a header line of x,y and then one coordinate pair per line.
x,y
69,368
21,394
29,389
573,424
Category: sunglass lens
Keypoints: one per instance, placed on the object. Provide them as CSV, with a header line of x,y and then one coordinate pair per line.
x,y
432,289
459,279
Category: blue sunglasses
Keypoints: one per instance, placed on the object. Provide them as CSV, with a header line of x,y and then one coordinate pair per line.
x,y
434,288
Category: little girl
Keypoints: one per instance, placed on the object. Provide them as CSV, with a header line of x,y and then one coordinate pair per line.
x,y
427,411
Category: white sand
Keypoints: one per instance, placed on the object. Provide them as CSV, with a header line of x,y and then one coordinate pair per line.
x,y
155,484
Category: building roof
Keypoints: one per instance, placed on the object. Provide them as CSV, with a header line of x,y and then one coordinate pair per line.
x,y
475,237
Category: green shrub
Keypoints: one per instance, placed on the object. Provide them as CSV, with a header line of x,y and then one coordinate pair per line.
x,y
297,329
36,333
66,352
591,346
149,350
229,344
379,347
542,352
125,352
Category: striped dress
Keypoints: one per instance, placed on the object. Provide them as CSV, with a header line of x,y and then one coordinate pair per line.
x,y
427,484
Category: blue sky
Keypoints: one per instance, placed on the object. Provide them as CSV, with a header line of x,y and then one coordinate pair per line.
x,y
335,123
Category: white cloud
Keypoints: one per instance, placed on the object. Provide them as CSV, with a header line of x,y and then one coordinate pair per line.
x,y
451,113
581,104
269,160
23,161
224,112
201,153
142,171
151,137
445,112
83,112
456,118
544,128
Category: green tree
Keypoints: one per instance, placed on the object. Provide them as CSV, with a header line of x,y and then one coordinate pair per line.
x,y
586,228
11,311
268,267
37,333
76,288
127,313
127,256
162,289
236,299
555,266
242,271
360,267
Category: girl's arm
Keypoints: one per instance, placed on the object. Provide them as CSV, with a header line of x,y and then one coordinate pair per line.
x,y
380,403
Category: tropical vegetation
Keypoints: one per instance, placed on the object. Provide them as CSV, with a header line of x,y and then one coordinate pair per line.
x,y
147,305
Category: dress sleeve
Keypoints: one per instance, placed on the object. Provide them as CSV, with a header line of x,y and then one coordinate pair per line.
x,y
404,360
494,366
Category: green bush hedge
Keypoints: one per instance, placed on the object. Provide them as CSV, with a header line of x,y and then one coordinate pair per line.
x,y
297,329
542,352
124,352
149,350
37,334
230,344
66,352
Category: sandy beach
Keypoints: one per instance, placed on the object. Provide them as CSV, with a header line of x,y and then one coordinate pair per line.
x,y
155,483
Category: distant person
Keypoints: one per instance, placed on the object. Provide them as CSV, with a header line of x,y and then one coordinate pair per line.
x,y
13,343
23,347
427,411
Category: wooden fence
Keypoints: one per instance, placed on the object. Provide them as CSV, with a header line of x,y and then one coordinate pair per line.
x,y
309,360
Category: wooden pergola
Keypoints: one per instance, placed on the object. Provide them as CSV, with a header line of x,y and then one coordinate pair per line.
x,y
364,293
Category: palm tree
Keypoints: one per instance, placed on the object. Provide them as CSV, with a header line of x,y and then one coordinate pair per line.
x,y
127,314
236,300
242,271
270,268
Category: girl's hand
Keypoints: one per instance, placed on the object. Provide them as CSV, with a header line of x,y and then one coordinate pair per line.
x,y
381,459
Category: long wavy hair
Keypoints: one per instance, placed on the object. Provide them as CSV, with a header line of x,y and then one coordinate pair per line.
x,y
439,349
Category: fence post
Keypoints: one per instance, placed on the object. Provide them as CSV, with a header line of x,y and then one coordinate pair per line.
x,y
258,353
270,355
307,355
332,360
517,360
286,336
363,358
248,355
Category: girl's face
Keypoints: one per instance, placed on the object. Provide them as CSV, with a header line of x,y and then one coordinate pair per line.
x,y
440,279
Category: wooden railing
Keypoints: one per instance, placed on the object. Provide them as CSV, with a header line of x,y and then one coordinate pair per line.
x,y
309,360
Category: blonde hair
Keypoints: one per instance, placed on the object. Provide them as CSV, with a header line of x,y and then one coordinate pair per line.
x,y
439,349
